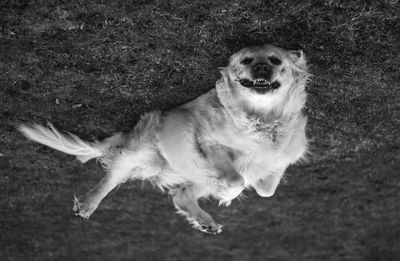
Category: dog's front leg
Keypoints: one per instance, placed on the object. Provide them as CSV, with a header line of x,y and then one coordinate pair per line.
x,y
266,187
218,156
187,205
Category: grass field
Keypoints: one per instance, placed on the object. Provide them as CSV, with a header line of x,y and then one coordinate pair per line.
x,y
93,67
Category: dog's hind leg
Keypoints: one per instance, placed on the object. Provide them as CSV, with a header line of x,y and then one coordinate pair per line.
x,y
187,205
118,172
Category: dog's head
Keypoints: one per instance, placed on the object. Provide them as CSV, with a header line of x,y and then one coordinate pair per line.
x,y
262,73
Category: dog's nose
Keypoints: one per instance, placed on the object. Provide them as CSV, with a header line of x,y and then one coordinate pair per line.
x,y
262,68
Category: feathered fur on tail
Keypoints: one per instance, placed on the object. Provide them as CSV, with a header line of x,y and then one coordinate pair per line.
x,y
70,144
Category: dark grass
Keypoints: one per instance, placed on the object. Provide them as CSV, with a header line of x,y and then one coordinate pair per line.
x,y
93,67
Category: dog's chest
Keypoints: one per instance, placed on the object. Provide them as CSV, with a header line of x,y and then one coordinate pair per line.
x,y
252,136
264,143
267,131
265,135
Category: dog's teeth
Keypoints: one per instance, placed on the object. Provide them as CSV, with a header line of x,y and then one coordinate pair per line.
x,y
260,82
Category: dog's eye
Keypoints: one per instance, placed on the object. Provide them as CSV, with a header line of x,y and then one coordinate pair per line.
x,y
274,60
246,61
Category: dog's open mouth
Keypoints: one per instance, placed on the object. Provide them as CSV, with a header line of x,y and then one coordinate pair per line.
x,y
259,84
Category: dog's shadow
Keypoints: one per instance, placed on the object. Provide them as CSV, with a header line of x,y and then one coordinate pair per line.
x,y
240,41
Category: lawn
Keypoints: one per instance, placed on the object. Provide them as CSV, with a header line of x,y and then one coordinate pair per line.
x,y
93,67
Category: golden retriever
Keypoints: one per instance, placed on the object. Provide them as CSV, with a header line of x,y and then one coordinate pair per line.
x,y
242,134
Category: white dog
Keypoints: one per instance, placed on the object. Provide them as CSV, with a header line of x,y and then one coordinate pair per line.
x,y
242,134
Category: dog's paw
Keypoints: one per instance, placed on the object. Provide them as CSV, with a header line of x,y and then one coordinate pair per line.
x,y
205,224
83,208
213,229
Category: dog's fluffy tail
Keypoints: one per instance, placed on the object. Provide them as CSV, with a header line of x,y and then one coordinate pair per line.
x,y
67,143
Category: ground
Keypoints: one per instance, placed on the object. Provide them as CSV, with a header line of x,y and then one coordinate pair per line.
x,y
93,67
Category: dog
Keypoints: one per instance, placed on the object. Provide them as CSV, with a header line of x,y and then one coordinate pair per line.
x,y
241,134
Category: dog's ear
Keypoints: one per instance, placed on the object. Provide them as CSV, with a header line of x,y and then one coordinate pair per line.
x,y
298,58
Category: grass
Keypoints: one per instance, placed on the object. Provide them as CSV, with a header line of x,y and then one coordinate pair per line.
x,y
93,67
